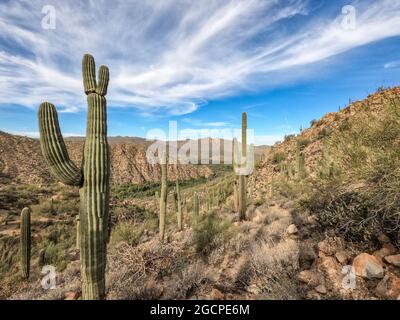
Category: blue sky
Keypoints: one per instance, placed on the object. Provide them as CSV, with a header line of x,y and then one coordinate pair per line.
x,y
200,63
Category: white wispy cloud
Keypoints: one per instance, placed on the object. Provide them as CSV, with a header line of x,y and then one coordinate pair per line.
x,y
392,64
172,55
35,134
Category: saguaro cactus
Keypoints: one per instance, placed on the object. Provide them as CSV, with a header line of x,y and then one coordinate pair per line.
x,y
179,203
78,232
92,179
25,226
196,206
242,178
300,162
163,197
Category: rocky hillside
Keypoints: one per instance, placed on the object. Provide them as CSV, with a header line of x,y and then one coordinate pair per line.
x,y
21,161
311,140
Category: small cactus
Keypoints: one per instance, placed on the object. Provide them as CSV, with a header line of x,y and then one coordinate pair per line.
x,y
163,197
42,258
25,243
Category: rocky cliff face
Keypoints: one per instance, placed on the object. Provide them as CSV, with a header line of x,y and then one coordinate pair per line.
x,y
21,161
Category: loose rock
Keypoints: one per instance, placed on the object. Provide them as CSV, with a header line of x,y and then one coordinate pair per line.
x,y
368,266
394,260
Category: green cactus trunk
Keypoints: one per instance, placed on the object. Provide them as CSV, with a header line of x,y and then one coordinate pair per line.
x,y
25,242
235,197
179,204
196,211
300,162
242,178
92,179
163,197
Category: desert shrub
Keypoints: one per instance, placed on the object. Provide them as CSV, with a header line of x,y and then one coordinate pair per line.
x,y
130,233
148,189
9,256
323,133
278,157
209,232
59,240
364,200
303,142
188,281
274,265
55,207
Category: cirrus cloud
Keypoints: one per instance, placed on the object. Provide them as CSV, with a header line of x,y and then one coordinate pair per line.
x,y
172,55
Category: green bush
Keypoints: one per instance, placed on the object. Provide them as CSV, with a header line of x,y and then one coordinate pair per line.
x,y
303,142
209,233
127,232
278,157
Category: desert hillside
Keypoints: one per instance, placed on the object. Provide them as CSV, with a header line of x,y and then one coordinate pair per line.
x,y
21,161
321,220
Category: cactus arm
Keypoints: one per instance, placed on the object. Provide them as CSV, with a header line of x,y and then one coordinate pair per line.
x,y
89,74
54,149
104,76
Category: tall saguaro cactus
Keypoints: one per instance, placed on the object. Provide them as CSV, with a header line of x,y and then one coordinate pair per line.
x,y
196,209
163,197
25,226
179,202
242,178
92,179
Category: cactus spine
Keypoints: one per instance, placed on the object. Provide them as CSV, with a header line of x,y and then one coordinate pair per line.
x,y
179,203
163,197
25,243
242,178
196,207
92,179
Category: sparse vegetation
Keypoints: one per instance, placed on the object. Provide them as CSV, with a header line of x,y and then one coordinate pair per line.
x,y
209,233
362,200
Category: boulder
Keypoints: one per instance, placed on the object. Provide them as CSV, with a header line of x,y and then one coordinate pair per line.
x,y
394,260
292,229
342,256
217,295
332,271
389,287
387,250
368,266
72,295
309,277
321,289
